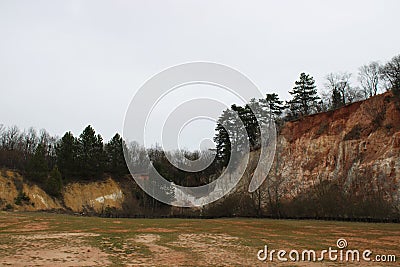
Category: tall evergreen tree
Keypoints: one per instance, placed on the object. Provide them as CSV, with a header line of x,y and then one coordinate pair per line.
x,y
37,165
91,153
304,96
250,123
67,155
115,156
274,105
222,139
251,119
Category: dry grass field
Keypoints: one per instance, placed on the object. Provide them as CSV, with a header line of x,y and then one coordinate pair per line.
x,y
44,239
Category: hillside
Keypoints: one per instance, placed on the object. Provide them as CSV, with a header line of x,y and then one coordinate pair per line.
x,y
342,163
96,197
352,152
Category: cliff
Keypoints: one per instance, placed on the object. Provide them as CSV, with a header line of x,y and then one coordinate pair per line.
x,y
356,148
98,197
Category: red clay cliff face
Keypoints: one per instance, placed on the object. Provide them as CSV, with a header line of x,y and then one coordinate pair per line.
x,y
360,141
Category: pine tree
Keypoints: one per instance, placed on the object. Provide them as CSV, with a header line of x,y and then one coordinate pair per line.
x,y
91,153
249,121
54,183
114,150
274,105
249,117
67,154
304,96
37,165
222,140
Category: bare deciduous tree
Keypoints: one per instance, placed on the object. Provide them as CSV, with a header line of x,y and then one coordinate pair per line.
x,y
391,72
30,140
369,78
339,91
2,129
339,82
354,94
12,138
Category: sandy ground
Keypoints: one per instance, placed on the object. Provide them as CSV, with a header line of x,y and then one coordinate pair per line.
x,y
43,240
61,249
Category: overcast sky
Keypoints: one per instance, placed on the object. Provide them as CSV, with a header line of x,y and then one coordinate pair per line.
x,y
67,64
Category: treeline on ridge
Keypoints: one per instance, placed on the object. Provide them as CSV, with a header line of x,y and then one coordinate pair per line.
x,y
53,162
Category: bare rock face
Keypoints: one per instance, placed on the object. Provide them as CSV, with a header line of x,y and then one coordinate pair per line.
x,y
15,193
8,190
39,199
357,147
93,196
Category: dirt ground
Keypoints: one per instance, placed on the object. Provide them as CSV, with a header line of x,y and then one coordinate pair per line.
x,y
42,239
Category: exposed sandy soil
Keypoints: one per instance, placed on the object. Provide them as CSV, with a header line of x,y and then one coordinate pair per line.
x,y
60,249
39,239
